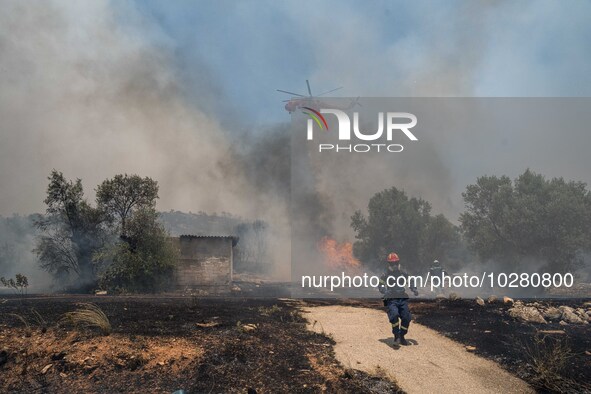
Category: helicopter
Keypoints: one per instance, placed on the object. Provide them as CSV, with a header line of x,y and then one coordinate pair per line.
x,y
301,101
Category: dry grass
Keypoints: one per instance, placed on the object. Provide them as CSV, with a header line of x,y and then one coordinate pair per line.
x,y
27,327
89,316
30,320
548,358
38,318
20,318
270,311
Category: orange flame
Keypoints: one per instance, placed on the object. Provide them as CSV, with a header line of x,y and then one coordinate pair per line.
x,y
338,255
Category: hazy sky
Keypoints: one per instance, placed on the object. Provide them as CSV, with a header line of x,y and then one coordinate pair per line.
x,y
166,88
381,48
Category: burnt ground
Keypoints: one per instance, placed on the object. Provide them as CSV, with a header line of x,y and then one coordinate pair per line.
x,y
163,344
522,348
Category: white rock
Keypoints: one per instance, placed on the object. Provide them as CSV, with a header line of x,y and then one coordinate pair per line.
x,y
527,314
571,317
552,313
565,308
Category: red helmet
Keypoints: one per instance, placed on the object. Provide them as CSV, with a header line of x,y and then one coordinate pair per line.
x,y
393,258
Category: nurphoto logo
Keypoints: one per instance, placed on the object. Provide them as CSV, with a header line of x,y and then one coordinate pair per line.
x,y
396,123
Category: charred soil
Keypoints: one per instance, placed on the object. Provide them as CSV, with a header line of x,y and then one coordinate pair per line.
x,y
162,344
552,357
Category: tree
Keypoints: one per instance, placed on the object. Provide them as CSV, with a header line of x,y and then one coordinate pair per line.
x,y
441,240
121,196
70,232
144,261
532,217
405,225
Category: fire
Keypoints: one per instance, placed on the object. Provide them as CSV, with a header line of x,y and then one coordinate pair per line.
x,y
338,255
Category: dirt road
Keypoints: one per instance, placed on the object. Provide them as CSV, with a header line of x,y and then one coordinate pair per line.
x,y
432,364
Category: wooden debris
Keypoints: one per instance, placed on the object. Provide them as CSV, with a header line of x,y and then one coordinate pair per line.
x,y
46,368
552,332
249,327
208,324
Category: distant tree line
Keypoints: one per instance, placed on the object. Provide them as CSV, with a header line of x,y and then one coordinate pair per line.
x,y
509,222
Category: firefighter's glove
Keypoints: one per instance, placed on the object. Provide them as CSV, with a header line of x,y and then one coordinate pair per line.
x,y
416,293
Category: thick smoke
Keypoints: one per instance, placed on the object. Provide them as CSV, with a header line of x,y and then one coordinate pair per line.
x,y
469,132
95,88
93,95
94,91
17,235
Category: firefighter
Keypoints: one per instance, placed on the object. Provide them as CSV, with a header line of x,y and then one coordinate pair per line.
x,y
436,269
395,298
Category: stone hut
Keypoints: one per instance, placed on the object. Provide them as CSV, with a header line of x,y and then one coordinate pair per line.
x,y
205,262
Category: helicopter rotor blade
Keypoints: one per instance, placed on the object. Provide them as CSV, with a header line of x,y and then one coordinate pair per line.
x,y
293,94
330,91
309,90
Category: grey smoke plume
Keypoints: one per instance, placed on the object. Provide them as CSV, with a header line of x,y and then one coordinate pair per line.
x,y
88,94
93,92
17,235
